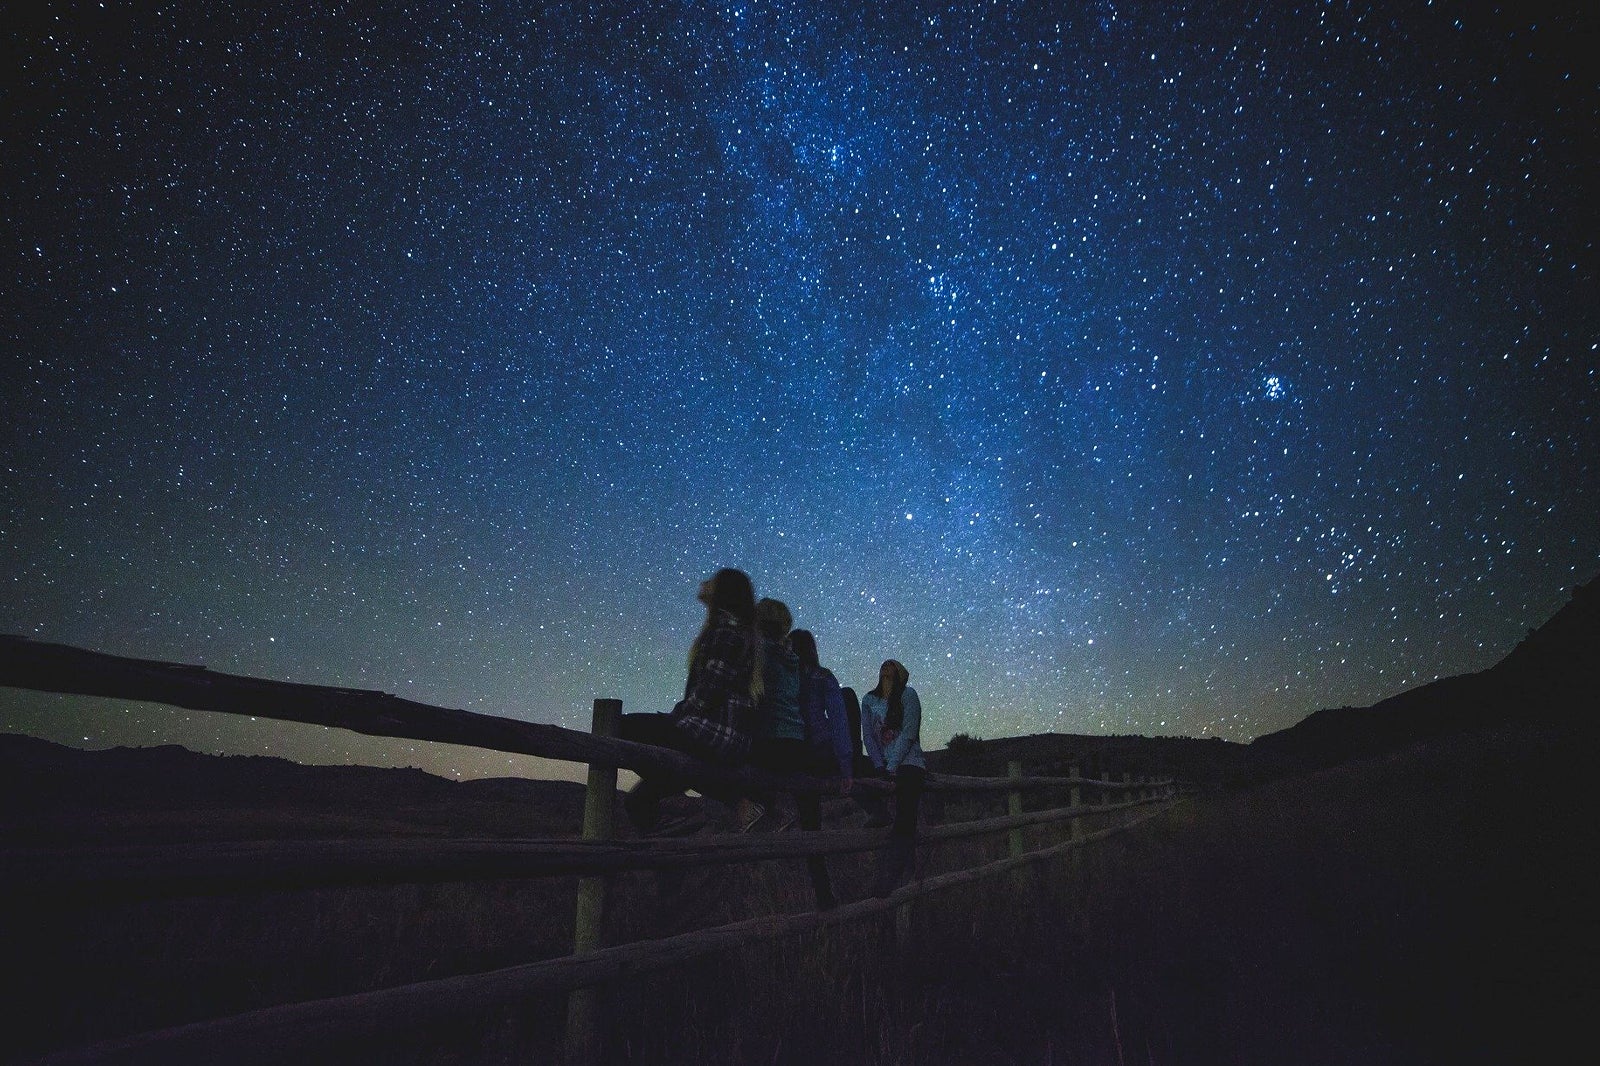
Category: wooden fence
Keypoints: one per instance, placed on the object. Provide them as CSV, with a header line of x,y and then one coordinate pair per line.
x,y
275,1034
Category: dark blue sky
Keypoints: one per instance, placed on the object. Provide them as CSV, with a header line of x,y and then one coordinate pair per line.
x,y
1151,368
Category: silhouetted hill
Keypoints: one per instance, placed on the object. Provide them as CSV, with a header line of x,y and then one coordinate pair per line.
x,y
52,793
1551,678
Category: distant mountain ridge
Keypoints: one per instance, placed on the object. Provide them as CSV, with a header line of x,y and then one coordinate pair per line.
x,y
49,791
1551,678
1208,762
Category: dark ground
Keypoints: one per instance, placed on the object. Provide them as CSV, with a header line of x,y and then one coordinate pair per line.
x,y
1426,905
1422,906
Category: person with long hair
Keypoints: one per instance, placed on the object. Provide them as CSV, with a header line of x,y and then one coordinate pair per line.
x,y
713,721
825,711
891,727
852,710
826,752
783,733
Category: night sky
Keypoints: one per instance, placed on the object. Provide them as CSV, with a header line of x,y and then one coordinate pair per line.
x,y
1122,368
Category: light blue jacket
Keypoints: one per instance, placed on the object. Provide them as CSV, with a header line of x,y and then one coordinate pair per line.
x,y
906,747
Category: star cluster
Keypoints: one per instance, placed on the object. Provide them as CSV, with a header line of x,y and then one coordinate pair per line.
x,y
1161,368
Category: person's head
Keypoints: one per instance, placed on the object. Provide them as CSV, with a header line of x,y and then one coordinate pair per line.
x,y
892,678
730,590
773,619
805,646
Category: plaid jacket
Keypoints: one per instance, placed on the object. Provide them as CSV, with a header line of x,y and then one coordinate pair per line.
x,y
717,710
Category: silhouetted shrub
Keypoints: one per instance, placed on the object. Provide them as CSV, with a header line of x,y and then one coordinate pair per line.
x,y
964,745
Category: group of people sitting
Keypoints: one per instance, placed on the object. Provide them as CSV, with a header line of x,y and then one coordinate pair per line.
x,y
758,693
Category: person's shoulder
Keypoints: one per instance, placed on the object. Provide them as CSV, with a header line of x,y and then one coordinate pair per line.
x,y
725,633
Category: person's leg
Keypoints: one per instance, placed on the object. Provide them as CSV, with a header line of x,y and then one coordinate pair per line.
x,y
896,857
643,802
656,730
893,862
795,757
810,810
786,756
876,804
766,755
908,788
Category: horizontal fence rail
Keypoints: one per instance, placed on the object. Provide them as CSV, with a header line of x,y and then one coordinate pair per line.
x,y
274,1034
235,866
45,667
92,873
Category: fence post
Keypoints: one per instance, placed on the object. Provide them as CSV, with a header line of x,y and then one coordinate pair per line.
x,y
1014,808
902,928
599,799
1075,825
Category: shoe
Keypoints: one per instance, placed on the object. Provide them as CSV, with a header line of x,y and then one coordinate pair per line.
x,y
782,820
749,813
678,827
643,811
877,820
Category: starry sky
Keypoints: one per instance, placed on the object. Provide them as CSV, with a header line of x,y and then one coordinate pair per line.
x,y
1152,368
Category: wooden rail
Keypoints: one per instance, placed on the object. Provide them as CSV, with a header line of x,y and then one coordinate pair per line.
x,y
45,667
153,870
276,1033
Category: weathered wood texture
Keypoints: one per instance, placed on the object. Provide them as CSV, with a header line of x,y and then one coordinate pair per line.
x,y
599,810
279,1034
